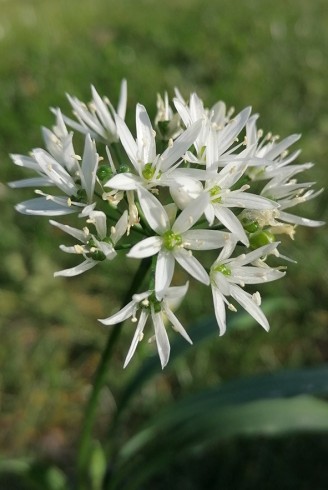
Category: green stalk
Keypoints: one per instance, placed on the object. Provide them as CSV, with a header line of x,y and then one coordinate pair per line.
x,y
100,380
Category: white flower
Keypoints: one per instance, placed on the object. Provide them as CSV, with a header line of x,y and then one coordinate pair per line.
x,y
289,193
77,182
59,145
221,198
147,305
274,154
98,118
95,247
150,168
216,123
175,242
228,277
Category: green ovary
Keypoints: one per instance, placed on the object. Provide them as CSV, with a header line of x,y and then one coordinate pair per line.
x,y
104,173
155,303
149,171
223,269
214,194
261,238
98,255
250,225
171,240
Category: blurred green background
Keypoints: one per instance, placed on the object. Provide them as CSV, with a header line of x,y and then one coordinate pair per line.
x,y
270,55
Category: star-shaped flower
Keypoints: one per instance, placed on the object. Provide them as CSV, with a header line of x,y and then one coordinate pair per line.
x,y
174,242
95,247
229,276
98,117
150,169
149,306
77,182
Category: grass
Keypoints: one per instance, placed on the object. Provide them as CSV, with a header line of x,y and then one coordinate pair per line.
x,y
259,53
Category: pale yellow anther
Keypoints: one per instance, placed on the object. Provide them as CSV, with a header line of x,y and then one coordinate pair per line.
x,y
256,297
78,249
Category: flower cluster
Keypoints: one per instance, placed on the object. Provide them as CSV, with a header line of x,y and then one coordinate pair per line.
x,y
199,179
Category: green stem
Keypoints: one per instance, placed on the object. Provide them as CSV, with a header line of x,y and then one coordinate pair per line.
x,y
116,150
99,382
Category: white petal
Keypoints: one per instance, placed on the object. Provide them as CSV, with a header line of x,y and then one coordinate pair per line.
x,y
86,119
82,128
180,146
103,112
121,315
191,265
191,214
255,275
247,200
56,173
33,182
230,221
127,141
204,239
24,161
42,206
164,272
196,107
221,282
124,182
228,248
251,130
145,135
246,301
98,218
74,232
183,111
122,101
89,167
176,324
279,148
79,269
162,340
229,133
137,336
182,188
146,248
175,292
211,149
298,220
256,254
120,228
230,174
219,309
153,210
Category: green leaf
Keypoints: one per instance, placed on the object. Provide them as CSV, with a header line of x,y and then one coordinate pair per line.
x,y
272,404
